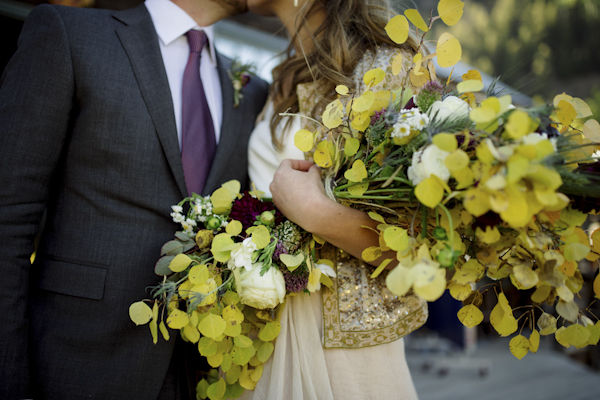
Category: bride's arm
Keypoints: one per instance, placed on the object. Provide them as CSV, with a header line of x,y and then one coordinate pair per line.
x,y
298,193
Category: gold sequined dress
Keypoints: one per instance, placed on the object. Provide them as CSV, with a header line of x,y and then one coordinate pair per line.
x,y
346,343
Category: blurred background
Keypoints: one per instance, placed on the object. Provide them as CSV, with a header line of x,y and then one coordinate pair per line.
x,y
538,48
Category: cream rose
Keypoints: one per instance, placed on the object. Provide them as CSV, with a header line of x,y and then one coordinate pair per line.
x,y
242,256
260,292
452,105
426,162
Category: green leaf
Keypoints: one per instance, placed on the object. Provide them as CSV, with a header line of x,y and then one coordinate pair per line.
x,y
265,351
201,388
233,330
216,360
174,247
234,391
140,313
227,363
161,268
292,262
233,374
241,356
242,341
219,244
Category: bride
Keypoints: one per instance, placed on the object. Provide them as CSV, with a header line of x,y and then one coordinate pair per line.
x,y
346,343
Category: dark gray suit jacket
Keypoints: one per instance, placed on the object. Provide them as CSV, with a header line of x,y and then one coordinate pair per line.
x,y
87,131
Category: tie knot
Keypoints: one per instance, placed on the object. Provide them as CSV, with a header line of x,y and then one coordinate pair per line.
x,y
197,40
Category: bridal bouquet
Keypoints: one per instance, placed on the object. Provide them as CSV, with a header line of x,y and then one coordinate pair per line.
x,y
465,189
224,276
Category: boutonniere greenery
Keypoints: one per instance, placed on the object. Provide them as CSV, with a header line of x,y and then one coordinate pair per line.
x,y
240,77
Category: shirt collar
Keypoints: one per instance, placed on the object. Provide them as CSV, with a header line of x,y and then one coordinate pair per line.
x,y
171,22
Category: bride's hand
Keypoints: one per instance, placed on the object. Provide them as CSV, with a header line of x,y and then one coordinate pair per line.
x,y
297,190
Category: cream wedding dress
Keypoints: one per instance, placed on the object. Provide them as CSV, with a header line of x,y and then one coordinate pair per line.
x,y
300,367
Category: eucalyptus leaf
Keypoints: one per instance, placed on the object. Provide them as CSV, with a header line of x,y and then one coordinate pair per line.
x,y
162,266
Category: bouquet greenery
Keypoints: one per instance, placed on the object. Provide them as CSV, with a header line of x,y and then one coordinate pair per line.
x,y
226,276
465,189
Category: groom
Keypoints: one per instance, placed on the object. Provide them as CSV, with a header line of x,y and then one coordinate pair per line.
x,y
91,131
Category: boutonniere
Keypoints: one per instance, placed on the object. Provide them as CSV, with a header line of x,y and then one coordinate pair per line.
x,y
240,77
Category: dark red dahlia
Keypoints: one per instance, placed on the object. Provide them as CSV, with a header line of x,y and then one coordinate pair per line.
x,y
247,209
488,219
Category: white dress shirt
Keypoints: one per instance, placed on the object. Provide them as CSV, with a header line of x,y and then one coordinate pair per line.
x,y
171,24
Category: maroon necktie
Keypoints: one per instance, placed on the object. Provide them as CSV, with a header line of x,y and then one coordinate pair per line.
x,y
198,133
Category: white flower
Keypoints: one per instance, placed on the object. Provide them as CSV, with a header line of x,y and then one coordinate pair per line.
x,y
237,85
188,225
178,218
534,138
260,292
325,270
242,256
401,129
177,209
426,162
452,105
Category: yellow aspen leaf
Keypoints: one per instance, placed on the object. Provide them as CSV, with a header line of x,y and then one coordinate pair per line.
x,y
242,341
245,381
469,272
325,280
380,268
373,77
448,50
534,341
322,155
342,89
264,352
504,323
180,263
482,115
163,330
417,59
546,324
234,228
430,192
357,173
464,177
446,142
471,85
591,130
576,335
397,62
573,217
364,102
559,97
559,338
361,121
566,113
419,78
519,346
582,108
212,326
489,236
569,311
270,331
261,236
597,286
257,373
201,388
397,29
177,319
429,281
476,202
376,217
517,215
219,245
458,291
234,186
207,347
576,251
371,253
541,294
333,114
191,333
470,316
472,74
526,277
140,313
204,238
399,280
351,146
450,11
221,200
594,333
233,315
518,124
396,238
358,190
216,390
456,160
198,274
415,17
303,140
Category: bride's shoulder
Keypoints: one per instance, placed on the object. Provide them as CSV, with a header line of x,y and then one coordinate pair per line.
x,y
381,57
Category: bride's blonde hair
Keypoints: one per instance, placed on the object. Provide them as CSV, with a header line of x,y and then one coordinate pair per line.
x,y
350,29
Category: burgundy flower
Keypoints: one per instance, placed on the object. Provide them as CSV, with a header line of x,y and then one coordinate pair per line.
x,y
488,219
248,208
294,282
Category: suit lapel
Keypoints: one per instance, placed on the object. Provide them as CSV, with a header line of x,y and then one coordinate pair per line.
x,y
229,127
140,42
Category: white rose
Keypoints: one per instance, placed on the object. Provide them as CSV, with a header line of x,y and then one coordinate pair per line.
x,y
242,256
427,162
452,105
260,292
